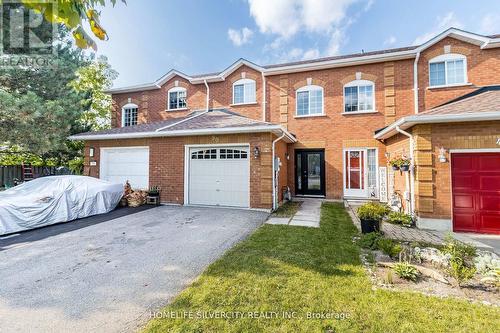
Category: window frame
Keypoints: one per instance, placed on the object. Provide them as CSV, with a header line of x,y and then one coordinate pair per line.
x,y
245,82
357,84
177,90
308,89
445,58
130,106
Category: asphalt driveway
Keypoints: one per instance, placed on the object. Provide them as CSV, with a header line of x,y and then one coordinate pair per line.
x,y
108,276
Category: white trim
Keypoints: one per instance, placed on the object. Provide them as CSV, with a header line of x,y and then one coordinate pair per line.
x,y
277,129
310,116
357,84
445,58
244,83
475,150
409,121
175,89
449,86
174,110
308,89
240,104
187,159
365,176
129,106
358,112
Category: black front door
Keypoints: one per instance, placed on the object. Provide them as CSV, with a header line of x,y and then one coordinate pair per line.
x,y
310,172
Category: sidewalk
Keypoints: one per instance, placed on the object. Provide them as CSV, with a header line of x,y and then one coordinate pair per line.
x,y
308,215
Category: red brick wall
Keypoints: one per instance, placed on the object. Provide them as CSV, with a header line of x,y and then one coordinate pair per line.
x,y
483,68
166,161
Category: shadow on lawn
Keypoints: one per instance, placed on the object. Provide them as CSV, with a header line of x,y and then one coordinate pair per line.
x,y
328,250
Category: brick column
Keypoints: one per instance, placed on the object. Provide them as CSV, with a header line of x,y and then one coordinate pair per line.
x,y
424,172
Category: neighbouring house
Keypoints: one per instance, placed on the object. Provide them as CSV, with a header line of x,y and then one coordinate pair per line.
x,y
327,127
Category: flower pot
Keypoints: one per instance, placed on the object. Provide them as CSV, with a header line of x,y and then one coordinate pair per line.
x,y
395,168
404,167
369,225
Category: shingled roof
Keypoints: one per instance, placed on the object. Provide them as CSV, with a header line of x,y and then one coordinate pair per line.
x,y
202,122
482,104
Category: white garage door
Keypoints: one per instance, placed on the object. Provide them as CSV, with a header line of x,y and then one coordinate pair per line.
x,y
128,163
219,176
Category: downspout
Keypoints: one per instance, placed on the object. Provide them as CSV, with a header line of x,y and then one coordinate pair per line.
x,y
263,97
274,168
415,81
412,169
208,93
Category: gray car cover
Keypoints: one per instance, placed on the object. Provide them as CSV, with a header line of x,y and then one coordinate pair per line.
x,y
54,199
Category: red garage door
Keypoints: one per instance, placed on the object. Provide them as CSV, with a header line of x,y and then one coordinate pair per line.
x,y
476,192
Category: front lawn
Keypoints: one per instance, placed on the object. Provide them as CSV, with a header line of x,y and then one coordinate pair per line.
x,y
299,270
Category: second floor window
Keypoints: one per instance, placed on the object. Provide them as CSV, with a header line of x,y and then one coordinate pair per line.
x,y
359,96
447,69
129,115
244,91
310,101
177,98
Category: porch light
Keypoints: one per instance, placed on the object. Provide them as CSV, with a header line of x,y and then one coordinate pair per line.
x,y
91,151
256,152
442,155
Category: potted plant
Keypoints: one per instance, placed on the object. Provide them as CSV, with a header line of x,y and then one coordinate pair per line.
x,y
154,191
394,163
404,164
371,214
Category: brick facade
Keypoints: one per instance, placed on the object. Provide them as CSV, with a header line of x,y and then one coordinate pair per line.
x,y
333,131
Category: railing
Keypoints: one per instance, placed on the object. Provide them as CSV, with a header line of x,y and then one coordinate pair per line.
x,y
10,175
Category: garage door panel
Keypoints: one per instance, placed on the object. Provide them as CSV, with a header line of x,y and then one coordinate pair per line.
x,y
219,181
463,201
476,192
463,182
119,165
489,163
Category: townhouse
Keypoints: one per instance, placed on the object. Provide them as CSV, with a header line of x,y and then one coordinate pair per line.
x,y
252,135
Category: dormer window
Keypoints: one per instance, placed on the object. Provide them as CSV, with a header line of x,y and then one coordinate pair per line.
x,y
129,115
448,70
177,98
244,91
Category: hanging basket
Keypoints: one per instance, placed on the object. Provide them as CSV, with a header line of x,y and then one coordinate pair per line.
x,y
404,168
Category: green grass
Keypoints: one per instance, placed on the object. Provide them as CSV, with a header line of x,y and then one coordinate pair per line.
x,y
283,268
288,209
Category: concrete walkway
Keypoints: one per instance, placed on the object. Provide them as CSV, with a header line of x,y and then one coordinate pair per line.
x,y
308,215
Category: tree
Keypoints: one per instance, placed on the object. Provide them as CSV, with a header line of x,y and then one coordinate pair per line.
x,y
94,79
73,14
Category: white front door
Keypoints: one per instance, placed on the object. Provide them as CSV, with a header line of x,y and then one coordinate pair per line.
x,y
117,165
360,172
219,176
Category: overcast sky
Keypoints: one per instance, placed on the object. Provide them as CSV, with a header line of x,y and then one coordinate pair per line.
x,y
148,38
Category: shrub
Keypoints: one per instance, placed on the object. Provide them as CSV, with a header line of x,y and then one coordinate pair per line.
x,y
369,241
389,247
400,218
373,211
462,267
406,271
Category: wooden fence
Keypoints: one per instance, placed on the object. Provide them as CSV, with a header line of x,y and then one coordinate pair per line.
x,y
8,174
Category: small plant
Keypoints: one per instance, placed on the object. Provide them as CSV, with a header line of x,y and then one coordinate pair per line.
x,y
373,211
406,271
389,247
154,190
369,241
388,278
400,218
461,267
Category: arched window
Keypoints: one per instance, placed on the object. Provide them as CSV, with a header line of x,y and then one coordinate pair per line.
x,y
448,69
177,98
129,114
309,100
244,91
359,96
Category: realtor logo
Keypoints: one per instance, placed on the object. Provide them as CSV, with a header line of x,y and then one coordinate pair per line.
x,y
24,31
